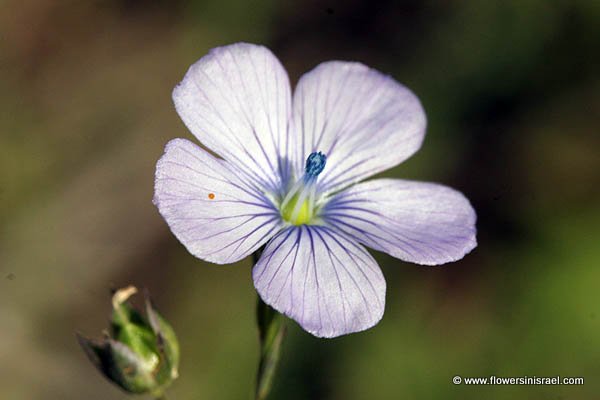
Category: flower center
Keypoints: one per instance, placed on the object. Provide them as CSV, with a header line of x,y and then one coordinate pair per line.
x,y
299,205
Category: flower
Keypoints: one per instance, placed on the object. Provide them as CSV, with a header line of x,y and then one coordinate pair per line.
x,y
142,354
290,177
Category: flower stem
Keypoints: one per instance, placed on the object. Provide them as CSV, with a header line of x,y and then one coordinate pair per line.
x,y
271,329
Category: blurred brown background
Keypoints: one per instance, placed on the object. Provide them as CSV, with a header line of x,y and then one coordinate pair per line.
x,y
511,89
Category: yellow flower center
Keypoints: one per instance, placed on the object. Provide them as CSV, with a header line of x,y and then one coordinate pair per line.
x,y
303,216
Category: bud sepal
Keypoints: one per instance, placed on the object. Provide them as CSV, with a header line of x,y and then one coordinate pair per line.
x,y
141,353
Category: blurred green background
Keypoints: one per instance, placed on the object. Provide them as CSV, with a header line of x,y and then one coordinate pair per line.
x,y
512,93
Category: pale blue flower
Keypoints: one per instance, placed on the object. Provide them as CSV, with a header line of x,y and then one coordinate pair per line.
x,y
288,175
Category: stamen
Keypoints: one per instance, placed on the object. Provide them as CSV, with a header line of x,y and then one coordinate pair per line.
x,y
298,206
315,163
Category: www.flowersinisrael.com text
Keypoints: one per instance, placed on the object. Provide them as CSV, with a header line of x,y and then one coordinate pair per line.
x,y
518,380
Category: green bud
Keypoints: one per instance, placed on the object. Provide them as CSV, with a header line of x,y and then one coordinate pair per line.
x,y
141,353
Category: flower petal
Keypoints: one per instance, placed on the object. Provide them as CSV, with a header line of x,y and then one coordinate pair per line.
x,y
364,121
236,101
424,223
326,282
216,216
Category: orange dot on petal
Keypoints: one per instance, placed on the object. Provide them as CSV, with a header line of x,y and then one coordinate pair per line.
x,y
211,196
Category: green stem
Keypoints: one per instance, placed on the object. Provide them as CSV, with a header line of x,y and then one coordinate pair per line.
x,y
271,329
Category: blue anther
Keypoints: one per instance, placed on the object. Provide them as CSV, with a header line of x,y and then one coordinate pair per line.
x,y
315,163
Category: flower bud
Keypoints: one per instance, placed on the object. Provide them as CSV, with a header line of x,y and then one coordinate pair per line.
x,y
141,353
